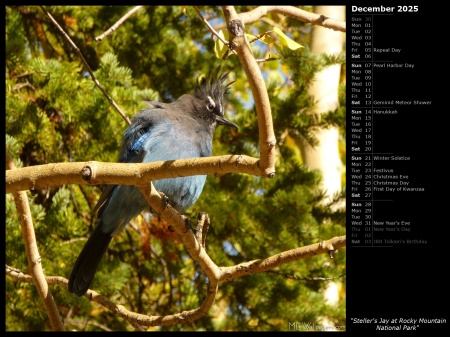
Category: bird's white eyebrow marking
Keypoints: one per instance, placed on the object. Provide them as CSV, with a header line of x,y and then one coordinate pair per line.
x,y
211,101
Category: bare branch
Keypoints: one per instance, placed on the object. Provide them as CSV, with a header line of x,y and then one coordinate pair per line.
x,y
211,28
239,42
178,222
266,60
96,173
291,11
118,23
32,251
294,12
305,278
19,86
87,67
249,268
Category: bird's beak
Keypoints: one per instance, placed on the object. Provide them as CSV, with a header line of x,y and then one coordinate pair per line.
x,y
223,121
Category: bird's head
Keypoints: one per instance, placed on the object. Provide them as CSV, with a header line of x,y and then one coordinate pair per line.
x,y
211,93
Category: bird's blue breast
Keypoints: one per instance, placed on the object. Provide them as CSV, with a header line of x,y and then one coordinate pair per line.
x,y
170,142
160,142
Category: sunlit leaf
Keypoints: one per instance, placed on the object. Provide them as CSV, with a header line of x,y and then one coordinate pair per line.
x,y
285,40
219,47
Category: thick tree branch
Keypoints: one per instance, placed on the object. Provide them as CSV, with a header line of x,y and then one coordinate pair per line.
x,y
178,222
32,251
95,173
248,268
294,12
239,42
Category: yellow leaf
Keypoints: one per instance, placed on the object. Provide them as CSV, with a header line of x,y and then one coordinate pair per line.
x,y
219,47
285,40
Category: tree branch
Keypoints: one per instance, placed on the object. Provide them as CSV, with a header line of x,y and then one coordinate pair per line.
x,y
97,173
294,12
249,268
118,23
184,317
87,67
213,31
32,251
239,42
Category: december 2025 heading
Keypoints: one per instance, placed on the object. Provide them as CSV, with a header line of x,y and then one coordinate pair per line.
x,y
385,9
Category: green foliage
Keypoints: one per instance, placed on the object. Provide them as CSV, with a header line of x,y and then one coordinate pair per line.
x,y
55,113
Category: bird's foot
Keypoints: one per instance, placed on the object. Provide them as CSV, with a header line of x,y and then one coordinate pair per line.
x,y
188,225
165,200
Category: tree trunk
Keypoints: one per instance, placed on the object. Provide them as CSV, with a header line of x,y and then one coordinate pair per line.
x,y
325,156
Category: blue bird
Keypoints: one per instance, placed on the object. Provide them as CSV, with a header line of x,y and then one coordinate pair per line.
x,y
163,131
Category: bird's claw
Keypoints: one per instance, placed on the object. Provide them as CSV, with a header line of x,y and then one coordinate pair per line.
x,y
188,225
165,200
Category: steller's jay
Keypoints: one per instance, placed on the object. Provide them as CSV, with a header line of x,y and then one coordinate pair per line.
x,y
181,129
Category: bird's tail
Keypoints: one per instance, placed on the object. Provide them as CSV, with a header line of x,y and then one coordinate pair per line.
x,y
85,266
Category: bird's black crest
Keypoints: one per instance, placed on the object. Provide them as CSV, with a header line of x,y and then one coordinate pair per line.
x,y
213,85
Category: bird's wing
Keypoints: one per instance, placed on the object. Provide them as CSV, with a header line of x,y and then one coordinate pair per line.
x,y
132,146
135,135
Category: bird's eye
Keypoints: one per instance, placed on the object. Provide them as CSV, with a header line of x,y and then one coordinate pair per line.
x,y
210,105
